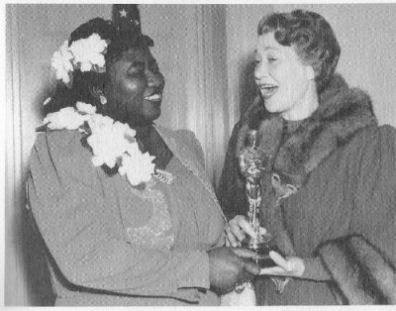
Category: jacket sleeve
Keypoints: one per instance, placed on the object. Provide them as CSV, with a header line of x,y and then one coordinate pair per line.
x,y
360,272
87,240
374,214
363,264
231,189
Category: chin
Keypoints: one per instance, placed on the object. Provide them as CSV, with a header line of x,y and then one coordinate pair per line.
x,y
152,111
145,116
276,104
154,115
151,116
271,106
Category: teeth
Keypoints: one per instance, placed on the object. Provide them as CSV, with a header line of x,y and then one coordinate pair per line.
x,y
153,97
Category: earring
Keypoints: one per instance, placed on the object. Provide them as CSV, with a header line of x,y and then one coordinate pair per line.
x,y
98,93
103,99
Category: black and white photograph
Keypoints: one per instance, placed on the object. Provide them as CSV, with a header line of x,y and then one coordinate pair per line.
x,y
200,154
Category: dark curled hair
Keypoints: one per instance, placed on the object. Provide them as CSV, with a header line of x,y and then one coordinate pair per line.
x,y
85,82
311,36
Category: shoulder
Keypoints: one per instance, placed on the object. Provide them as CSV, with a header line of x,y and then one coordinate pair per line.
x,y
185,143
58,140
370,152
387,134
375,139
61,149
182,138
379,149
372,155
188,141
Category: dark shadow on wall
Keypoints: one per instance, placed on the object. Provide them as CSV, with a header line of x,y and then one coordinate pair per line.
x,y
247,85
38,278
40,292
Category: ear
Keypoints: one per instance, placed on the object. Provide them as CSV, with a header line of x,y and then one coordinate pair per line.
x,y
310,73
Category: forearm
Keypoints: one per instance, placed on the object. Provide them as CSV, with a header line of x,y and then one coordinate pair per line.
x,y
146,272
91,251
117,266
93,255
314,270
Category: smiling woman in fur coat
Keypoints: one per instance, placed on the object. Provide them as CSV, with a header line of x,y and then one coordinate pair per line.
x,y
329,173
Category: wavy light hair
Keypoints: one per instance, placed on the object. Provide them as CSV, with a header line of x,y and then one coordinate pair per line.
x,y
311,36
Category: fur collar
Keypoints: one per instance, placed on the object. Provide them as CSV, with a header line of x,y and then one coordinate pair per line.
x,y
341,113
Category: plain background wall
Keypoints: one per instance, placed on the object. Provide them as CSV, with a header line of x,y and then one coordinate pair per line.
x,y
205,53
367,36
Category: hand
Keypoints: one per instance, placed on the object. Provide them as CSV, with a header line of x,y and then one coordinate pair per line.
x,y
289,266
229,267
237,229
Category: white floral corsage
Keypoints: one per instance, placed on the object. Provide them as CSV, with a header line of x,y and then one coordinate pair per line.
x,y
84,55
112,142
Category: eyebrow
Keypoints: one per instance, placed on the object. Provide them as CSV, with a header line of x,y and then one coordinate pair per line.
x,y
268,48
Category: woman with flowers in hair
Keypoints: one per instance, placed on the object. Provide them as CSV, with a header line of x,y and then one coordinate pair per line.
x,y
124,207
328,175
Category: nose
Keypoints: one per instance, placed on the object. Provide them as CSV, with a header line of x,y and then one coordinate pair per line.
x,y
261,71
155,79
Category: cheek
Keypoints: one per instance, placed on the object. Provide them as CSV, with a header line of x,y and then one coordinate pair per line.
x,y
295,80
132,88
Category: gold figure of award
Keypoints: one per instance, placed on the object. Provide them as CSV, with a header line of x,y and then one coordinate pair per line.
x,y
251,166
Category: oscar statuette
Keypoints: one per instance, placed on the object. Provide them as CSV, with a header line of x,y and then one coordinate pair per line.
x,y
250,164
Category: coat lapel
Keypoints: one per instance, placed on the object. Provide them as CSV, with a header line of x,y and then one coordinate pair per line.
x,y
188,159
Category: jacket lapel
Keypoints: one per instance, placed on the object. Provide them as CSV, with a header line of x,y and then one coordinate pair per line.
x,y
188,159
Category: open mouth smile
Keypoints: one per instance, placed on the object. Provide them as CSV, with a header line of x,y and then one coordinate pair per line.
x,y
154,97
268,90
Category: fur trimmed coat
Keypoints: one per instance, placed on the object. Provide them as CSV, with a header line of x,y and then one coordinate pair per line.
x,y
341,213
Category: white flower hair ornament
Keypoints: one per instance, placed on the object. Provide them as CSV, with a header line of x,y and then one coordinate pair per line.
x,y
112,142
84,54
